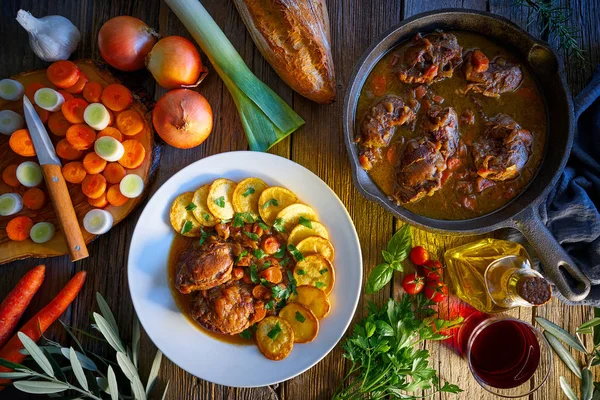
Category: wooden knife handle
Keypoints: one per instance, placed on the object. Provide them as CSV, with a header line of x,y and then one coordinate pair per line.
x,y
64,209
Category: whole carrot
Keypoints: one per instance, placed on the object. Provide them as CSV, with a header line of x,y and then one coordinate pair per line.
x,y
15,304
36,326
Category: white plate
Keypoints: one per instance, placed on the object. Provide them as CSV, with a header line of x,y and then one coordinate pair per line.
x,y
190,348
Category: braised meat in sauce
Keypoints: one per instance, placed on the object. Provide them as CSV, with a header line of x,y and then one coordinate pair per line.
x,y
203,267
470,140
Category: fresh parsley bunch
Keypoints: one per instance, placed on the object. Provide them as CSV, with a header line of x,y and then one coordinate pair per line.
x,y
386,354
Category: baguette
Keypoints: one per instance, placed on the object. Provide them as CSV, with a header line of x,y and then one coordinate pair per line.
x,y
294,37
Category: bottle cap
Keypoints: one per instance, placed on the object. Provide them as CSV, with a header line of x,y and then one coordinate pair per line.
x,y
534,289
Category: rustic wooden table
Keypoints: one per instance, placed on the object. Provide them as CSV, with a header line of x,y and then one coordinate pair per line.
x,y
355,24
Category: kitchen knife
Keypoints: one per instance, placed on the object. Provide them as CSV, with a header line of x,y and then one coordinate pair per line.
x,y
51,169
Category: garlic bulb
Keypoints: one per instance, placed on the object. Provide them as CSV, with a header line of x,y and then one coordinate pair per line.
x,y
51,38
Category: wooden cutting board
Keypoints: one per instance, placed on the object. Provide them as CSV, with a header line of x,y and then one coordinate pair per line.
x,y
10,250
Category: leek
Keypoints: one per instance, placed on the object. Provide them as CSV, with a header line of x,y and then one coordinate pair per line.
x,y
266,118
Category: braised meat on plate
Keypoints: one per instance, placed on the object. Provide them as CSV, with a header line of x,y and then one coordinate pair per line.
x,y
203,267
491,78
430,58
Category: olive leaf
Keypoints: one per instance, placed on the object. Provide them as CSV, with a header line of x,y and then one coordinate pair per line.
x,y
153,372
111,336
106,312
596,328
569,392
587,388
131,373
164,396
588,327
40,387
563,353
379,277
15,375
561,334
112,384
36,353
85,361
77,369
135,339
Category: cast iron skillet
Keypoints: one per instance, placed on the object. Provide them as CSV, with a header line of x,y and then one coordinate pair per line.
x,y
522,212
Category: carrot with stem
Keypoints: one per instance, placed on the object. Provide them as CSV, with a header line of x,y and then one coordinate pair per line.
x,y
15,304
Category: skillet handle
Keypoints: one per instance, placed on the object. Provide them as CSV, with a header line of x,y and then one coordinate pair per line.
x,y
555,260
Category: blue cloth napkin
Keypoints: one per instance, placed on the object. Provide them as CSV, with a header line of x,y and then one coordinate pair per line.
x,y
572,210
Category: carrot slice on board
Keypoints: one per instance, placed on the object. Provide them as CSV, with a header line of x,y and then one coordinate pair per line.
x,y
130,122
9,175
73,110
114,196
116,97
79,85
43,114
114,173
58,124
93,163
63,73
134,154
18,228
68,152
112,132
92,91
74,172
66,95
81,136
32,88
34,199
100,202
20,142
93,185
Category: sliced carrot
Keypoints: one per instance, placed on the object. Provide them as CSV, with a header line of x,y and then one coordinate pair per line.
x,y
74,172
73,110
79,85
81,136
63,73
36,326
18,228
134,154
32,88
93,185
100,202
68,152
92,91
66,95
58,124
93,163
112,132
20,142
43,114
9,175
111,114
116,97
130,122
34,199
115,197
114,172
15,304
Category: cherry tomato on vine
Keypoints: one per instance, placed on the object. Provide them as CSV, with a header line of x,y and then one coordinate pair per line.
x,y
433,270
418,255
413,283
436,291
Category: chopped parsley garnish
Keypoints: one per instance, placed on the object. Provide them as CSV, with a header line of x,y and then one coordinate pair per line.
x,y
295,252
242,255
271,202
220,201
292,284
263,226
187,226
247,334
258,253
240,218
280,253
248,191
265,283
266,264
206,216
301,272
320,285
299,317
254,274
280,292
270,305
323,271
278,225
306,222
251,235
284,262
191,207
203,237
274,332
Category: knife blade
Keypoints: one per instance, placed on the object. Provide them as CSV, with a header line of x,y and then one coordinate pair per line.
x,y
55,182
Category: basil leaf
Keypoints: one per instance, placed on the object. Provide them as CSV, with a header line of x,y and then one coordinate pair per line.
x,y
191,207
248,191
270,202
187,226
306,222
379,277
251,235
274,332
295,252
278,225
400,245
220,201
299,317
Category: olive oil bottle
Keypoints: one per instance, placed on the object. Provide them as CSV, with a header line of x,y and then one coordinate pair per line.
x,y
496,275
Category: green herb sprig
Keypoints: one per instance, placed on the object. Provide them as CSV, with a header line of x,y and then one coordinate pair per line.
x,y
396,251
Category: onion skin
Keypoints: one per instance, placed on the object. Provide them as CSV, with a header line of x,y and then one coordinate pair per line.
x,y
124,42
174,62
183,118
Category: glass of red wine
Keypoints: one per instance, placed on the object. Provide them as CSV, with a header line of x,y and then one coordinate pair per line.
x,y
508,357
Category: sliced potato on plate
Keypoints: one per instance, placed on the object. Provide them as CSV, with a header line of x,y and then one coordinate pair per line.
x,y
301,232
312,298
201,212
316,245
246,195
315,271
272,200
290,216
275,338
182,219
303,322
219,200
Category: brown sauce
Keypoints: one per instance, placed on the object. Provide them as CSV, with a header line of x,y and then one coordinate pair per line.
x,y
180,243
525,105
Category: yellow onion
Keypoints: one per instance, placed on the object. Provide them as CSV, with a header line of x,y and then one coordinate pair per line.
x,y
174,62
